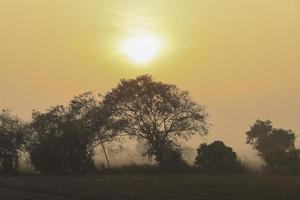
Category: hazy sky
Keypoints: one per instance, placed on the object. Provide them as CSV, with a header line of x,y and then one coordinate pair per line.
x,y
240,58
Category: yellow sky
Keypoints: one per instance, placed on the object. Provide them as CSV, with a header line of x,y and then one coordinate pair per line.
x,y
240,58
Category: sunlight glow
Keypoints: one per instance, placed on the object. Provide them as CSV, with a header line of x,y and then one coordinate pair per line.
x,y
141,48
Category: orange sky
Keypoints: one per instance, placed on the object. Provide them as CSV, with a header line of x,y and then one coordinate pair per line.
x,y
240,58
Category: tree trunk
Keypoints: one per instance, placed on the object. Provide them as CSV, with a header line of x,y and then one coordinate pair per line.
x,y
106,157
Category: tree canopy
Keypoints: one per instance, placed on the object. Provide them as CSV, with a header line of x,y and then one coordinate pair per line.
x,y
275,146
65,137
157,112
217,157
62,139
12,140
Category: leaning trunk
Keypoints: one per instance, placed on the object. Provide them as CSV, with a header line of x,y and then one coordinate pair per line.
x,y
104,150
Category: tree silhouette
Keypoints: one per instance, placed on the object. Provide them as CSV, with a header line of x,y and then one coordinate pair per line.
x,y
157,112
65,137
217,157
88,111
12,141
273,145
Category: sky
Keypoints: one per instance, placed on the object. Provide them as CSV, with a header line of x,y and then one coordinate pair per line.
x,y
239,58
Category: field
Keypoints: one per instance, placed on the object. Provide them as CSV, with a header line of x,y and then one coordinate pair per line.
x,y
150,187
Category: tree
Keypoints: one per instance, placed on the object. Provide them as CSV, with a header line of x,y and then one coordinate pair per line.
x,y
273,145
58,145
156,112
65,137
89,113
217,157
12,141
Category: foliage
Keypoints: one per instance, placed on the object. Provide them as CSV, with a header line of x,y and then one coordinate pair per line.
x,y
64,137
172,156
12,141
217,157
156,112
282,162
275,146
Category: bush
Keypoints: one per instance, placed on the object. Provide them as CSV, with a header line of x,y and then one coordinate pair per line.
x,y
283,162
59,144
62,153
170,156
173,158
217,157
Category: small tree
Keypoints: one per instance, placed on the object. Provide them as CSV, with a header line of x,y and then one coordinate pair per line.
x,y
65,137
217,157
156,112
58,146
273,145
12,141
88,112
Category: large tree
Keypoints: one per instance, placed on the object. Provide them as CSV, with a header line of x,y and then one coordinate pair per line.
x,y
273,145
156,112
12,141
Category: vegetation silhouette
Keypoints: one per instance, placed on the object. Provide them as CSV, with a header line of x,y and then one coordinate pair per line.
x,y
156,112
275,146
62,139
12,141
217,157
59,145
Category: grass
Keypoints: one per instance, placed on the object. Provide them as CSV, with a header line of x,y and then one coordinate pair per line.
x,y
151,186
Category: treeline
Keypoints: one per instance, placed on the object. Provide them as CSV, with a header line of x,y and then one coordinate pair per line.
x,y
62,140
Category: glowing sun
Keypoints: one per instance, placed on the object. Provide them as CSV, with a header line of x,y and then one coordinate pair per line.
x,y
141,48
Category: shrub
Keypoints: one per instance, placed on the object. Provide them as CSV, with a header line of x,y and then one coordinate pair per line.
x,y
217,157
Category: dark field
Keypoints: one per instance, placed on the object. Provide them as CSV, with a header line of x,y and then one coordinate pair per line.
x,y
244,187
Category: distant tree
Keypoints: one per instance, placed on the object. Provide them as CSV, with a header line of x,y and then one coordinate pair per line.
x,y
266,139
217,157
12,141
65,137
156,112
273,145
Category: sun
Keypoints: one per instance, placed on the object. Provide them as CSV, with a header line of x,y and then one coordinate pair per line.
x,y
141,48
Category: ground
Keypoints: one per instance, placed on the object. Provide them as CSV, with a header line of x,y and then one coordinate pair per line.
x,y
151,187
